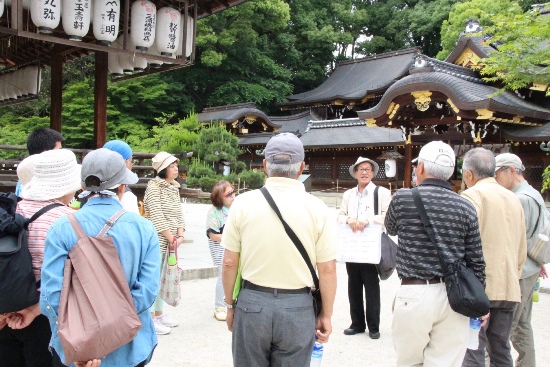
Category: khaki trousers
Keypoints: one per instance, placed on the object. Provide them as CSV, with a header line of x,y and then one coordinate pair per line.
x,y
522,332
425,330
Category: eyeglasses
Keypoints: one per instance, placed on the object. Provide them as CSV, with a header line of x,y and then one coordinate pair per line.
x,y
229,194
364,170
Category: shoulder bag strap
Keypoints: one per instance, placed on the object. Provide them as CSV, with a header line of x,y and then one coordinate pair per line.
x,y
422,211
110,222
76,226
376,201
540,212
292,236
42,211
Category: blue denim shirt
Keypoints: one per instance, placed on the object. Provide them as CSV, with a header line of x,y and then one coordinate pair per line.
x,y
137,244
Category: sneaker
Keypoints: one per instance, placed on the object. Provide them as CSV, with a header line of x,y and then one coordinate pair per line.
x,y
220,314
166,320
161,329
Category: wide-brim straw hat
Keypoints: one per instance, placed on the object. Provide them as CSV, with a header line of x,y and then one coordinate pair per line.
x,y
361,160
56,174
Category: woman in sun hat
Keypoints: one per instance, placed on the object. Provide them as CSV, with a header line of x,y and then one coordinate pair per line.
x,y
162,204
51,177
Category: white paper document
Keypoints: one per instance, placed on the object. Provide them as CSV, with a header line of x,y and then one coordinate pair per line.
x,y
359,247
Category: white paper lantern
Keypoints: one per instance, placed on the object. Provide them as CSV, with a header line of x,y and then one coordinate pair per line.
x,y
390,167
105,21
10,88
143,21
168,35
112,62
189,43
76,18
155,64
124,60
45,14
139,63
18,80
2,87
32,76
2,5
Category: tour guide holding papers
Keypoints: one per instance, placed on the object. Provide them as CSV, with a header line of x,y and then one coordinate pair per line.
x,y
357,211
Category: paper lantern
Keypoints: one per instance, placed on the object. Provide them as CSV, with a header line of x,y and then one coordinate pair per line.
x,y
76,18
143,21
155,64
112,62
32,83
2,88
124,60
9,90
139,63
189,43
168,35
2,5
390,167
45,14
106,19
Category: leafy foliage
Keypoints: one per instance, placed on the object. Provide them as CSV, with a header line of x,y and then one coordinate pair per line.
x,y
482,10
523,56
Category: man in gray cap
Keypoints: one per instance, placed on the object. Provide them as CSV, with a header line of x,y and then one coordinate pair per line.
x,y
273,322
105,176
509,174
358,211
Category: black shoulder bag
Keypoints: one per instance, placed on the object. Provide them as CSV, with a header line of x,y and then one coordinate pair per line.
x,y
465,292
315,292
388,249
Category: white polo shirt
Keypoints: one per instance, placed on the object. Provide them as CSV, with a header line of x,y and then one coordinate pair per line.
x,y
268,256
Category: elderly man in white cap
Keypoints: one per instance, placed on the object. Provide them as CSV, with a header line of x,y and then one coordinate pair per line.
x,y
358,210
105,176
509,174
425,330
502,228
50,180
273,321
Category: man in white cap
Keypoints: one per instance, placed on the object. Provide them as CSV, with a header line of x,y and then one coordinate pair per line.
x,y
105,176
273,321
358,211
509,174
425,330
48,178
502,229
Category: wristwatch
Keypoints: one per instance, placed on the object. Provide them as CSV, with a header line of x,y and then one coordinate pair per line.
x,y
228,305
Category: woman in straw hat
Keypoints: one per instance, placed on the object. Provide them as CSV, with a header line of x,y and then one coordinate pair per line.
x,y
162,205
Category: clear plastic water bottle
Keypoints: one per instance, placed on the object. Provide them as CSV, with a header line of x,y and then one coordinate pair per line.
x,y
473,336
536,291
316,355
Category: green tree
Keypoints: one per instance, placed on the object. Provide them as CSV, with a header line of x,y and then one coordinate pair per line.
x,y
482,10
523,56
215,144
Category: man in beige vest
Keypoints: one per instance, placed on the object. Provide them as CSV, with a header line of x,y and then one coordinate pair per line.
x,y
502,227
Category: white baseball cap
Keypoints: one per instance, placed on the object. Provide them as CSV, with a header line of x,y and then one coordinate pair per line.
x,y
437,152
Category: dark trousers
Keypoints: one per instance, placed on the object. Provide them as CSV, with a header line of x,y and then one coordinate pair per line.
x,y
364,276
26,347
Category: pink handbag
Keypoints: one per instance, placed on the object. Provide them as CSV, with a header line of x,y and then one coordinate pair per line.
x,y
96,310
170,275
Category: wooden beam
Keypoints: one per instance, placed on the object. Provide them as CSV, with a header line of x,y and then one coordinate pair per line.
x,y
408,166
56,103
100,99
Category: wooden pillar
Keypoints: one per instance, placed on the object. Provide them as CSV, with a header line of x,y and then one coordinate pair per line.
x,y
56,103
100,99
408,165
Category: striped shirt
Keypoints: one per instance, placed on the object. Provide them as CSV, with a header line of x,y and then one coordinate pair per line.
x,y
455,225
162,204
39,228
215,220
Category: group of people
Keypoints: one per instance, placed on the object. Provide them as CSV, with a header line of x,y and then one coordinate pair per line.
x,y
50,175
262,240
489,227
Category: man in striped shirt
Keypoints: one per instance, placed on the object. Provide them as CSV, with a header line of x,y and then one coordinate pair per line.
x,y
425,330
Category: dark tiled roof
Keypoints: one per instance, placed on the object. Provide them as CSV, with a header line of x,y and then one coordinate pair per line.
x,y
230,113
464,94
255,139
348,133
527,133
297,123
352,80
479,45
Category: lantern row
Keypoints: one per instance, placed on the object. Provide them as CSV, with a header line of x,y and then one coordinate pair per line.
x,y
21,83
162,28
